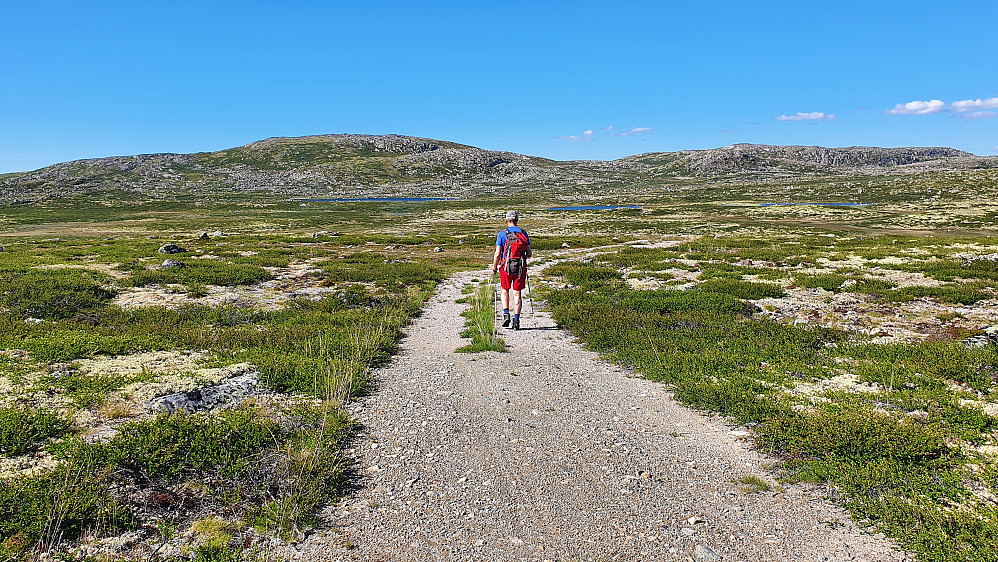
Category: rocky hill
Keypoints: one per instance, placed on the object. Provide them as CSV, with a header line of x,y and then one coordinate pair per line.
x,y
394,165
765,158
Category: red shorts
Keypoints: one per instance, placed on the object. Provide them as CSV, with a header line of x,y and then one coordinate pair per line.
x,y
518,283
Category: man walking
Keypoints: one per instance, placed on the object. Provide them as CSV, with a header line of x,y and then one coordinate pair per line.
x,y
510,259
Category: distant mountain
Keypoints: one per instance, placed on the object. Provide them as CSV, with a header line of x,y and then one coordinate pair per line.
x,y
761,158
395,165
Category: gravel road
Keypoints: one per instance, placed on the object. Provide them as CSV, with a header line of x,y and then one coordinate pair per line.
x,y
547,452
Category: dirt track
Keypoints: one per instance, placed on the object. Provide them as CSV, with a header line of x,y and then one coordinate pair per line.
x,y
547,452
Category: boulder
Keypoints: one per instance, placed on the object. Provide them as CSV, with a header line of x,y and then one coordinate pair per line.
x,y
230,392
171,249
203,236
172,263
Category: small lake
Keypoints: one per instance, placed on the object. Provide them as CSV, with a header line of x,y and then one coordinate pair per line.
x,y
593,207
376,199
820,204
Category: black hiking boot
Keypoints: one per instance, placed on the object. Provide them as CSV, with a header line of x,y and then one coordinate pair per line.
x,y
516,324
505,320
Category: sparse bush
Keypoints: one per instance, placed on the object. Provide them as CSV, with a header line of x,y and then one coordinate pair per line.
x,y
582,274
854,435
741,289
372,267
202,272
23,430
62,503
176,444
52,294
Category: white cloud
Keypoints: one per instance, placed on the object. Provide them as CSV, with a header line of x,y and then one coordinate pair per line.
x,y
917,108
979,115
974,105
590,134
635,131
813,116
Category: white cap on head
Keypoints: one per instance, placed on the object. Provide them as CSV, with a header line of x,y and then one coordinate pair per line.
x,y
512,215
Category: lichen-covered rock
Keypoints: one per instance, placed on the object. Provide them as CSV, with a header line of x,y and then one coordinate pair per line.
x,y
230,392
171,249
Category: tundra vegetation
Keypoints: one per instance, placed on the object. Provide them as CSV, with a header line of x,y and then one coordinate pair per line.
x,y
849,340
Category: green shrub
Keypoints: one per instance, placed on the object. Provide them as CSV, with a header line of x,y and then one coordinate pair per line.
x,y
88,390
950,270
77,492
312,471
741,289
372,267
857,435
833,282
202,272
827,281
541,242
583,274
23,430
967,293
176,444
724,270
668,301
51,294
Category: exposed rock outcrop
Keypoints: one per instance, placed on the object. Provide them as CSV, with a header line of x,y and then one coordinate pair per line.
x,y
396,165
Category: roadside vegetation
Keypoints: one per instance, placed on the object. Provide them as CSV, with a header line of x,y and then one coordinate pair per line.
x,y
82,461
904,431
480,325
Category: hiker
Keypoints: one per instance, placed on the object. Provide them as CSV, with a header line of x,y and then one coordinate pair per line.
x,y
510,260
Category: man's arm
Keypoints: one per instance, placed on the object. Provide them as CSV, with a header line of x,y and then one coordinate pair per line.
x,y
495,259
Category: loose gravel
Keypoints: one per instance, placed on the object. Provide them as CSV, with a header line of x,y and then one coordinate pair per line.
x,y
546,452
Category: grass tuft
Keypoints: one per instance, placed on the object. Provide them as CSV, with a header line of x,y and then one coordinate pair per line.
x,y
480,325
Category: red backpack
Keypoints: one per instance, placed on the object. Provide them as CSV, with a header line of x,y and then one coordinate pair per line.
x,y
514,254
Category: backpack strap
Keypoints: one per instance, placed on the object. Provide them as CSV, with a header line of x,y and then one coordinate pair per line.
x,y
505,246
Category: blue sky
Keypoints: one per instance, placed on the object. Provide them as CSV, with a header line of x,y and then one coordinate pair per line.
x,y
565,80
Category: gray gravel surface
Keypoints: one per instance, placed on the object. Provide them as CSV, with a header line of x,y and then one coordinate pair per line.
x,y
547,452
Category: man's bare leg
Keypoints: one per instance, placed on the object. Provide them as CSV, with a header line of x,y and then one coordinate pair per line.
x,y
517,302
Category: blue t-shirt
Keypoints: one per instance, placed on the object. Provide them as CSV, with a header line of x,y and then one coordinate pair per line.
x,y
501,239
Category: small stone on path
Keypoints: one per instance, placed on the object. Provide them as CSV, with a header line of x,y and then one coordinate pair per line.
x,y
706,554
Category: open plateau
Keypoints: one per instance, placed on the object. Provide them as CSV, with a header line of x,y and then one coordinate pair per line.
x,y
290,350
